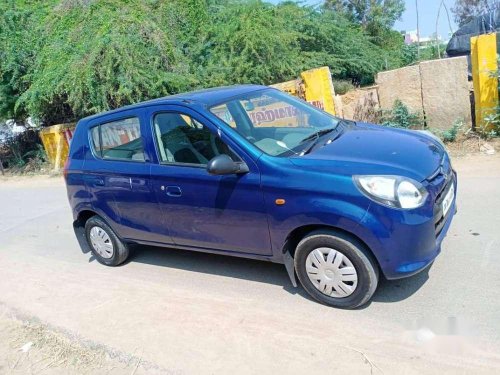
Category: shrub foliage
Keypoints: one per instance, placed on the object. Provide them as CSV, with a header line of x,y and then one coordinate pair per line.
x,y
64,59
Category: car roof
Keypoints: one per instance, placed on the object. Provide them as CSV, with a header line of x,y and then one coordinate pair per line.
x,y
206,97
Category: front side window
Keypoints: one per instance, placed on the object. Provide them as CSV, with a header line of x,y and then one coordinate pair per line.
x,y
182,139
119,140
275,122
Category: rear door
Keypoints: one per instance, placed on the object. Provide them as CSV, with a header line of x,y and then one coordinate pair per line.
x,y
118,177
202,210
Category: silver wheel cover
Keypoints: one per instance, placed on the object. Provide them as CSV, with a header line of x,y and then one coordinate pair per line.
x,y
331,272
101,242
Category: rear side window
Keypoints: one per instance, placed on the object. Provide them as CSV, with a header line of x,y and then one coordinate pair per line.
x,y
119,140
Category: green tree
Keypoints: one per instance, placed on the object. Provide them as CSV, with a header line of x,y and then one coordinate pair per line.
x,y
377,17
410,54
383,13
329,38
245,42
102,55
466,10
64,59
19,43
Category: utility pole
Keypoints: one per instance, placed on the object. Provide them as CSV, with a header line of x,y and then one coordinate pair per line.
x,y
418,31
449,19
437,26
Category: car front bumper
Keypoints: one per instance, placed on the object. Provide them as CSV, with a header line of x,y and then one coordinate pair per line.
x,y
412,268
405,242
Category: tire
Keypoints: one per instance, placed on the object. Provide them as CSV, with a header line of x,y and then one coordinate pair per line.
x,y
342,287
113,251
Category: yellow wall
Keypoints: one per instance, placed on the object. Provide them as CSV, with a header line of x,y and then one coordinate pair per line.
x,y
55,145
315,86
484,65
319,88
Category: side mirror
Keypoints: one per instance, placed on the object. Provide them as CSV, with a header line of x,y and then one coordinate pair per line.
x,y
223,164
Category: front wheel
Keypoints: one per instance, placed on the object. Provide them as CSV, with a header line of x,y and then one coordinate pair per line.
x,y
104,243
335,270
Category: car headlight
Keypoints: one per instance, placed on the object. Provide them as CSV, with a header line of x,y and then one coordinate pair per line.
x,y
392,191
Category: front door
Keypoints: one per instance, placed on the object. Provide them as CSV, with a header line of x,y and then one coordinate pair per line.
x,y
202,210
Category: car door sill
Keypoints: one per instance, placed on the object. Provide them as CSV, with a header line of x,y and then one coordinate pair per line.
x,y
263,257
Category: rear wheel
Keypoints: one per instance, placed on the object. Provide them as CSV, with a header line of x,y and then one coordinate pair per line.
x,y
104,243
335,270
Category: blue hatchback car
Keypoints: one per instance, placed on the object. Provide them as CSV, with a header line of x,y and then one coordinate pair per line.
x,y
252,172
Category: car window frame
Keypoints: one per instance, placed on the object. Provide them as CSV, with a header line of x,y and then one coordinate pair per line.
x,y
117,119
154,137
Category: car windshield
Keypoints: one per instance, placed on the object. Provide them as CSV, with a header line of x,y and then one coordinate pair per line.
x,y
276,123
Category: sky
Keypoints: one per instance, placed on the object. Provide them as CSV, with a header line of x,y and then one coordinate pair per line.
x,y
428,10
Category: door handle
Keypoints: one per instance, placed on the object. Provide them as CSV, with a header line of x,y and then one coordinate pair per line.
x,y
99,181
173,191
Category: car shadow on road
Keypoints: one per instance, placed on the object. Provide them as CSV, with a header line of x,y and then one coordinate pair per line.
x,y
258,271
228,266
398,290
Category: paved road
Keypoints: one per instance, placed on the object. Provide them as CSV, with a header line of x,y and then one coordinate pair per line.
x,y
198,313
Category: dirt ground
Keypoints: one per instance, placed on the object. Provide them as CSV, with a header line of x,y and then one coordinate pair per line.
x,y
178,312
472,145
29,347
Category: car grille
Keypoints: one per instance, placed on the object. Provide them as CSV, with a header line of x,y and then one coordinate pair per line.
x,y
439,218
441,182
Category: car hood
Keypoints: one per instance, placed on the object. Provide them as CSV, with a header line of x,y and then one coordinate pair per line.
x,y
373,149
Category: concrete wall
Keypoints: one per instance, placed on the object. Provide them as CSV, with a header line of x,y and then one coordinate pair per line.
x,y
404,84
438,89
445,88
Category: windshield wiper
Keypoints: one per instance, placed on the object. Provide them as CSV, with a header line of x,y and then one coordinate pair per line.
x,y
316,137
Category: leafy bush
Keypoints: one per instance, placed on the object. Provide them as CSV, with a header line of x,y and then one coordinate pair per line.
x,y
101,55
20,150
329,39
400,116
409,54
342,87
248,42
450,135
492,127
19,43
61,60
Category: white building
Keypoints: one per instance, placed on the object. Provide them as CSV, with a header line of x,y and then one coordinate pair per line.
x,y
411,37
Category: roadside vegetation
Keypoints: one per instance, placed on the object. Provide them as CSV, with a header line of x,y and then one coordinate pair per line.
x,y
64,59
492,126
29,347
402,117
61,60
21,153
